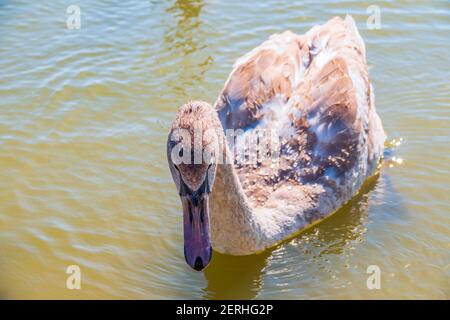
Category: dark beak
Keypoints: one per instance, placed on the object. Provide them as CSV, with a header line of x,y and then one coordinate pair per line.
x,y
197,237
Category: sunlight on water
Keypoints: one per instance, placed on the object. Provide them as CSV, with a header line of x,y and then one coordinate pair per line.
x,y
84,118
394,143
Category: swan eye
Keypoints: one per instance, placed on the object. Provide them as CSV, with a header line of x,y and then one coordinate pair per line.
x,y
180,153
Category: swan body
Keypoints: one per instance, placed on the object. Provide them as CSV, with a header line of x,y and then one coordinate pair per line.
x,y
313,92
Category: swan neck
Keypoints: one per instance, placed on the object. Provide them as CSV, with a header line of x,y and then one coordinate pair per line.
x,y
234,227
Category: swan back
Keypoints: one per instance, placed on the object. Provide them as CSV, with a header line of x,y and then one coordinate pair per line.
x,y
313,92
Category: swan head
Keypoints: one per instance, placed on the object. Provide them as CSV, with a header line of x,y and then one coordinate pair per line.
x,y
191,151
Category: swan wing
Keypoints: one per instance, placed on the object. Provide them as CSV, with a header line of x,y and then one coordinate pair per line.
x,y
270,70
314,91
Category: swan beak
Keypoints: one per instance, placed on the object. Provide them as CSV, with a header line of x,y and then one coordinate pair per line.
x,y
197,236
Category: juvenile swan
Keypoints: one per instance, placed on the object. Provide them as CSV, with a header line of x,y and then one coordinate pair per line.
x,y
310,91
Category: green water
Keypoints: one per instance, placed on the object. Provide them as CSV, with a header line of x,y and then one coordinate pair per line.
x,y
84,117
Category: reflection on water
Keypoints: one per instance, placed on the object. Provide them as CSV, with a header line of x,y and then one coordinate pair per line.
x,y
84,117
228,280
186,15
182,41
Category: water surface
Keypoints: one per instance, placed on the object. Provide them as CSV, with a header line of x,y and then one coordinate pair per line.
x,y
84,117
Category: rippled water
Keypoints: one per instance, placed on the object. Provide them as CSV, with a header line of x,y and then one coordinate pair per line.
x,y
84,116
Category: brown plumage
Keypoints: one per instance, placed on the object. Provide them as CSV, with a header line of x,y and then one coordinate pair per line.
x,y
313,92
312,74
